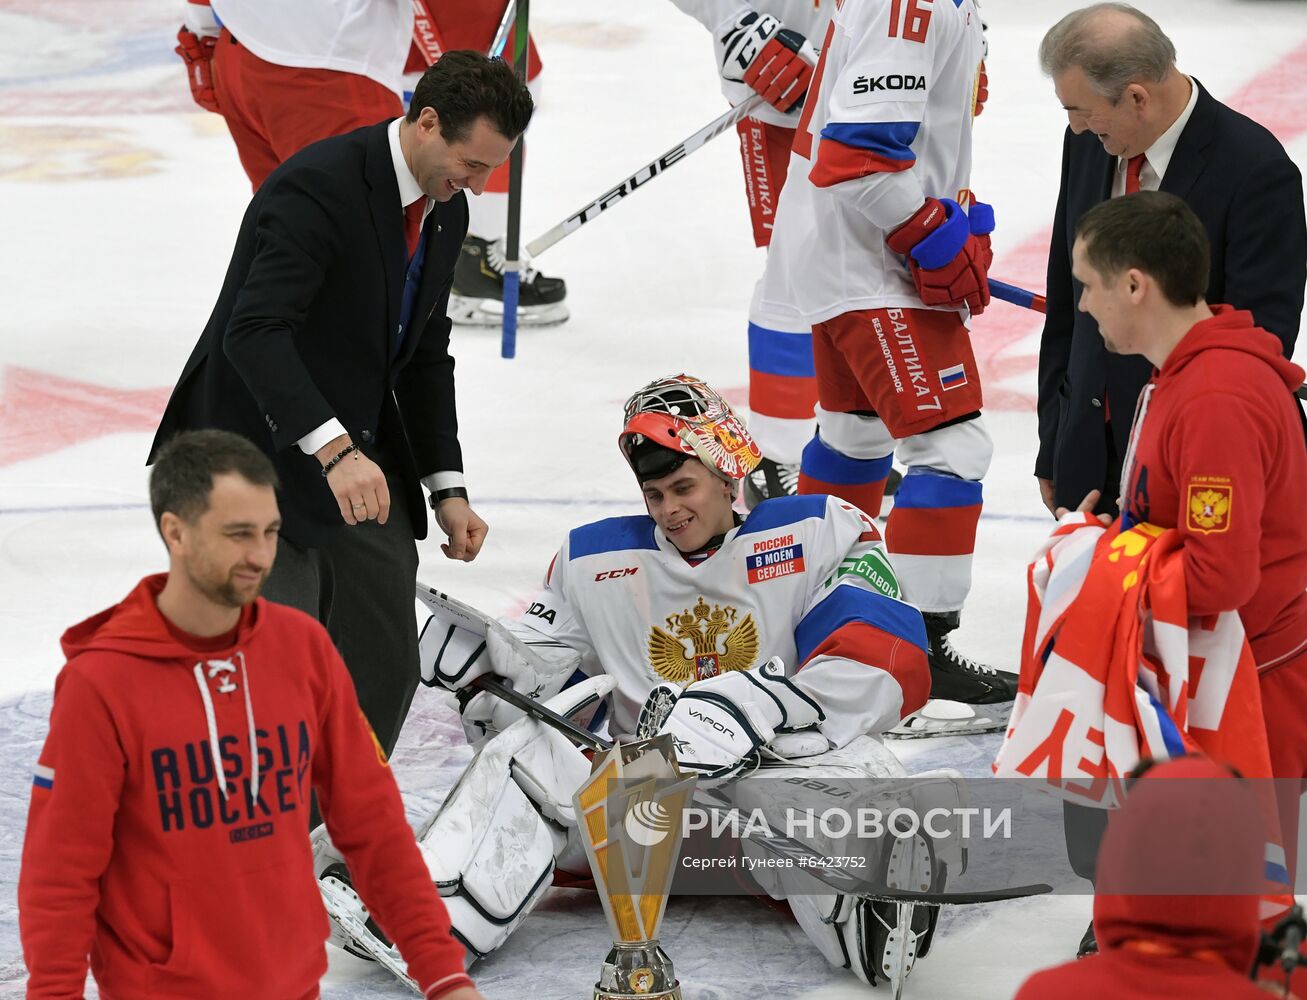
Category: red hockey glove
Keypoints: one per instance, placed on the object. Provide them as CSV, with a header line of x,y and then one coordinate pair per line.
x,y
197,52
949,261
773,60
982,90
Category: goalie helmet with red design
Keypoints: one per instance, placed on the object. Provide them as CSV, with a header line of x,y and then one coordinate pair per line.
x,y
679,417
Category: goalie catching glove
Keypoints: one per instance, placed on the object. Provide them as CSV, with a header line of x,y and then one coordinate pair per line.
x,y
719,723
948,253
775,61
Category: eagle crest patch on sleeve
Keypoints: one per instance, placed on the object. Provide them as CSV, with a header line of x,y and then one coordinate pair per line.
x,y
1208,504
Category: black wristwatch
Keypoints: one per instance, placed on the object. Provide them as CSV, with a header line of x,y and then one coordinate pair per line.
x,y
446,494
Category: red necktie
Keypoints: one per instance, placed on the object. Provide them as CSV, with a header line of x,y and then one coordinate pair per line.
x,y
413,223
1132,168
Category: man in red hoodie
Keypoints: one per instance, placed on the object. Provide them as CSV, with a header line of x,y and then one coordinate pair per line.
x,y
1155,939
1217,447
167,842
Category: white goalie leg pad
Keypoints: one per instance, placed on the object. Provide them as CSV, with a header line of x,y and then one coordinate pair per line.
x,y
820,917
491,846
874,939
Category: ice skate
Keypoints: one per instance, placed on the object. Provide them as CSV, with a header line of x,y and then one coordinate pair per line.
x,y
769,480
477,298
966,696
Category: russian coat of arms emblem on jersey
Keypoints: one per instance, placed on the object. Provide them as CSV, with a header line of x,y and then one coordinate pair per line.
x,y
701,642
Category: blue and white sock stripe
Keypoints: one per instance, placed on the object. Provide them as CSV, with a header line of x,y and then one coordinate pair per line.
x,y
825,464
43,777
924,488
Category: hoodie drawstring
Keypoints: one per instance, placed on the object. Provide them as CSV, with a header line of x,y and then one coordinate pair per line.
x,y
1136,426
223,667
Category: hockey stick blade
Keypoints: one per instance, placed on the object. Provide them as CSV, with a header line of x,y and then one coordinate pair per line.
x,y
963,898
642,176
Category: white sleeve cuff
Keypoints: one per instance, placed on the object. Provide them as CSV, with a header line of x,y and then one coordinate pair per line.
x,y
315,439
443,481
199,19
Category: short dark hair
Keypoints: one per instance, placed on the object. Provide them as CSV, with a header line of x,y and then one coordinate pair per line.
x,y
1154,232
184,469
464,85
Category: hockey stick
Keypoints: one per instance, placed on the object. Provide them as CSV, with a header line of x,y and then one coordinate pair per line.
x,y
1017,296
783,846
512,239
642,176
501,33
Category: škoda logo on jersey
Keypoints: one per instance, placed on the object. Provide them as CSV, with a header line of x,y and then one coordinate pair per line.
x,y
881,83
702,642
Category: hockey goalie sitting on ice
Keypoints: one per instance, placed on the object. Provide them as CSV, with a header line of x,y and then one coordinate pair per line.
x,y
772,643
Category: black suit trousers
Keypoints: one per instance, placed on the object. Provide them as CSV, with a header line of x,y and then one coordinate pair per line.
x,y
360,585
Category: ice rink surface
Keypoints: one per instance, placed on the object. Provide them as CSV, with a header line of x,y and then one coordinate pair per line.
x,y
119,202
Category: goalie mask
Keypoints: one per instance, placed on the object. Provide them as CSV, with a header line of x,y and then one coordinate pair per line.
x,y
681,417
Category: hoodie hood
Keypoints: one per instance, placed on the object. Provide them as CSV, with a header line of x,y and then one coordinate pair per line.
x,y
1232,330
136,626
1185,823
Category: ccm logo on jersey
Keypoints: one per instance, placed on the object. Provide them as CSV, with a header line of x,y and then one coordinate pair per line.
x,y
616,574
876,86
540,611
774,563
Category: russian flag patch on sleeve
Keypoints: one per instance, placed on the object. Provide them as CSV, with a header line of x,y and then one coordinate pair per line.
x,y
953,378
43,777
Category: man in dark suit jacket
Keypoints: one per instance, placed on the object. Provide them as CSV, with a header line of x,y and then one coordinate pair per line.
x,y
1114,72
329,349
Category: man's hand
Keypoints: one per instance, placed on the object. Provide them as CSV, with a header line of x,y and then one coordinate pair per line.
x,y
464,529
1046,491
775,61
197,52
1086,506
357,483
948,252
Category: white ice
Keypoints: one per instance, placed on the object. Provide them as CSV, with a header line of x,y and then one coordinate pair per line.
x,y
119,202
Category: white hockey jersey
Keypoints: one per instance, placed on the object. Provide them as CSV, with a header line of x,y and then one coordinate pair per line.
x,y
367,37
805,578
886,124
808,17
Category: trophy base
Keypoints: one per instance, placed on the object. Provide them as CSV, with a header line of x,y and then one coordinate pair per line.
x,y
640,971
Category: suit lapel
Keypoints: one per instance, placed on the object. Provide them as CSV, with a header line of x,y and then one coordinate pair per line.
x,y
387,221
1188,162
